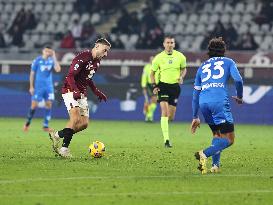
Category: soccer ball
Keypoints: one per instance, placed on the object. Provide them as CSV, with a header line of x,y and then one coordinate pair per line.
x,y
96,149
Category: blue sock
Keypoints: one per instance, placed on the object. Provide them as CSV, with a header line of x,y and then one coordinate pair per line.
x,y
218,144
47,116
216,159
30,116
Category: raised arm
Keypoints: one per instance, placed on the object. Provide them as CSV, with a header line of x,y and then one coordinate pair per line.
x,y
57,66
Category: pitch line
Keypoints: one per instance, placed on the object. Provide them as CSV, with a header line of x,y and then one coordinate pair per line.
x,y
14,181
13,195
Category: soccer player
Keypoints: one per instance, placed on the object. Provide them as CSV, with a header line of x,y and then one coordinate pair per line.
x,y
147,88
171,65
42,69
74,93
211,95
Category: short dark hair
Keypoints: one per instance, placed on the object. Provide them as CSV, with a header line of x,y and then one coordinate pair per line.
x,y
216,47
103,41
168,36
47,46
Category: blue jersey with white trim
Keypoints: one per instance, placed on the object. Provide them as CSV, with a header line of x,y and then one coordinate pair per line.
x,y
43,69
212,78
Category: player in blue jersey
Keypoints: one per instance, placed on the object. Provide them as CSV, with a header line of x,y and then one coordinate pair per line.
x,y
42,89
211,96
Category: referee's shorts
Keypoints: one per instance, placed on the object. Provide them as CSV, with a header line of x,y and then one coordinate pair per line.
x,y
168,93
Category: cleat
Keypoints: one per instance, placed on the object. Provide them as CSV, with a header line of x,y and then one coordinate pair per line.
x,y
55,140
168,144
215,169
47,129
201,157
26,128
64,152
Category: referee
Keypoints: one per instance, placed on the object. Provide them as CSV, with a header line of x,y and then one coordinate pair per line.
x,y
171,65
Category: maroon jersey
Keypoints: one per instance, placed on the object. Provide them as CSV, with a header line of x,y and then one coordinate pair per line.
x,y
80,74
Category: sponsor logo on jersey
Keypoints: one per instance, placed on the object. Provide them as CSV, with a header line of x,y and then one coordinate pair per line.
x,y
213,85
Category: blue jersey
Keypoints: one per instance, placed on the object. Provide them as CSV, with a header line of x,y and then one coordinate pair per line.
x,y
43,69
212,78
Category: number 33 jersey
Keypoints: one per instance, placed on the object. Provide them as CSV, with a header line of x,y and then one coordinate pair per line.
x,y
212,79
80,74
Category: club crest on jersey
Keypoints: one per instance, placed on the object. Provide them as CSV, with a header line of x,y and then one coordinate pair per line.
x,y
170,61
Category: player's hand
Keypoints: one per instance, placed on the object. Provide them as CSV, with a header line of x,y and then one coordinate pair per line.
x,y
31,90
53,54
101,96
194,125
156,90
238,100
180,80
77,95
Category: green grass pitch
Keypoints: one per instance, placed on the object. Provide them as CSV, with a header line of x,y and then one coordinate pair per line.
x,y
137,169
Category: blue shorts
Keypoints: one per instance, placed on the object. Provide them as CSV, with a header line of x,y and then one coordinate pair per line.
x,y
46,93
216,113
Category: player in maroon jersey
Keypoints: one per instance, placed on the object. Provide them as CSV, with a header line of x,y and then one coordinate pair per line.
x,y
74,93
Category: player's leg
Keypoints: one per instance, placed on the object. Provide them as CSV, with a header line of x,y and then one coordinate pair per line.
x,y
215,167
78,120
164,122
49,98
151,109
223,121
37,96
47,117
163,98
173,99
172,111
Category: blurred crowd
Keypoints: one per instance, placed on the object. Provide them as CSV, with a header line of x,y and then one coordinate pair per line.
x,y
142,23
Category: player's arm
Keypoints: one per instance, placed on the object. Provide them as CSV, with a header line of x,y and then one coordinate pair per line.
x,y
183,72
74,69
57,66
195,103
34,67
155,67
238,83
101,96
31,82
183,69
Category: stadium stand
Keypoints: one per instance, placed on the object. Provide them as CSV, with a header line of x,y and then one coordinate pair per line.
x,y
245,25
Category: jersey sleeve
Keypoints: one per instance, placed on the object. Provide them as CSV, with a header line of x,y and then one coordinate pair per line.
x,y
183,63
74,69
155,64
197,82
34,65
234,72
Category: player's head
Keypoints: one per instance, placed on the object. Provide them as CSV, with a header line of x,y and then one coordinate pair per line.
x,y
216,47
169,43
47,51
101,48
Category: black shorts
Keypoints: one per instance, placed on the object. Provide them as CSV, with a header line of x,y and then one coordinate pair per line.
x,y
168,93
223,127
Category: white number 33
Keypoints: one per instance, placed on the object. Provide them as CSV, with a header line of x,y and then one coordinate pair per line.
x,y
217,66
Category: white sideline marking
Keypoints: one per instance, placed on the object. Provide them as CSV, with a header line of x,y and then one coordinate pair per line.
x,y
13,181
140,193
